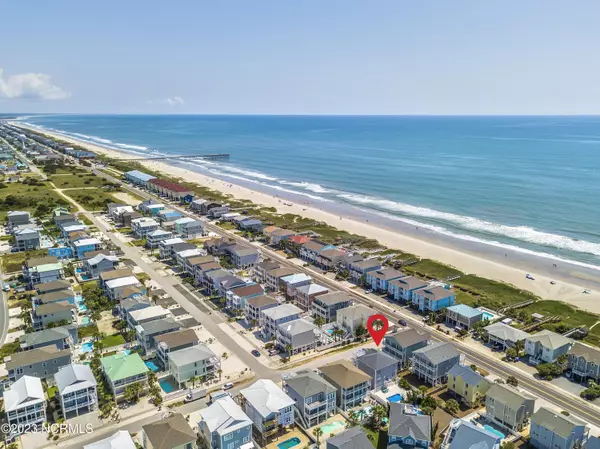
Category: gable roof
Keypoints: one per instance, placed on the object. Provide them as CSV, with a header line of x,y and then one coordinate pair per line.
x,y
508,395
54,285
30,263
53,307
38,355
314,246
149,312
386,274
435,293
57,295
26,391
161,325
409,283
74,377
45,336
307,383
169,433
248,290
224,416
505,332
115,274
344,374
467,374
587,352
266,397
465,310
408,337
177,338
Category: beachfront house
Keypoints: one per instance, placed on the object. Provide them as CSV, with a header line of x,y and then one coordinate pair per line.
x,y
24,405
326,306
252,224
224,425
17,218
353,318
197,362
275,316
504,336
311,250
280,235
77,390
254,308
463,316
584,363
433,362
403,289
174,341
304,295
297,336
27,239
269,408
121,370
171,190
408,427
138,178
358,270
553,430
466,384
378,280
351,383
315,398
546,346
508,407
401,345
43,362
381,367
329,259
99,264
433,299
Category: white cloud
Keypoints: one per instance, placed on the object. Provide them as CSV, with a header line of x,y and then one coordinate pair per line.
x,y
36,86
170,101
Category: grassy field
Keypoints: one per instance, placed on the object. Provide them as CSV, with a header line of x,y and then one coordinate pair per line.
x,y
113,340
78,181
14,261
40,199
92,200
87,331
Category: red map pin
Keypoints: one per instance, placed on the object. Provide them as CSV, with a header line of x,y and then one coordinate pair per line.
x,y
377,325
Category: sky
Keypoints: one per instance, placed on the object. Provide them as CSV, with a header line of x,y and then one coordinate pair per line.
x,y
433,57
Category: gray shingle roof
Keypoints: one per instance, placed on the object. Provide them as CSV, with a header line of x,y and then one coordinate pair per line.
x,y
377,360
45,336
354,438
465,372
550,340
437,352
307,383
556,422
470,436
407,338
408,424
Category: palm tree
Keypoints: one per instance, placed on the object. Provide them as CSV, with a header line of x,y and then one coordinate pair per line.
x,y
289,349
423,390
219,372
193,381
353,419
519,346
319,321
318,432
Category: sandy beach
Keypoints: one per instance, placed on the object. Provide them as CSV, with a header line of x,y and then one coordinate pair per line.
x,y
568,290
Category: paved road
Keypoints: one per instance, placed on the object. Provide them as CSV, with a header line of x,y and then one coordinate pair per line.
x,y
4,318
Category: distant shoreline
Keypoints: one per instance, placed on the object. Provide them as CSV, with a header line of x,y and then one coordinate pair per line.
x,y
469,257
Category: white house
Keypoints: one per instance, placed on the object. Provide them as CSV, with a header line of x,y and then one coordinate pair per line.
x,y
77,389
547,346
25,403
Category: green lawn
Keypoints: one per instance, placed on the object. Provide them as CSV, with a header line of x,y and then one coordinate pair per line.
x,y
113,340
87,331
377,437
52,392
9,348
77,181
92,200
14,261
37,199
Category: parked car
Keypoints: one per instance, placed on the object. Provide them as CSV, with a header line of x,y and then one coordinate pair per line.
x,y
228,386
402,322
255,353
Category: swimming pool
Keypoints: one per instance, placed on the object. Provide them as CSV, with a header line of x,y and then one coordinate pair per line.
x,y
488,316
494,431
82,307
166,385
126,351
85,321
330,331
332,427
87,347
150,364
287,444
395,398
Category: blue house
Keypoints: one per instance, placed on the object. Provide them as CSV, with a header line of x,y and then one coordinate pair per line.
x,y
402,289
188,199
62,252
168,215
408,427
378,280
224,425
86,245
433,299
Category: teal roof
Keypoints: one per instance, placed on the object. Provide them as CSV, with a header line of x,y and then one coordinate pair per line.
x,y
465,310
121,366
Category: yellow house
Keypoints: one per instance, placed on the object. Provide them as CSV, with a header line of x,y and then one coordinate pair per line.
x,y
468,385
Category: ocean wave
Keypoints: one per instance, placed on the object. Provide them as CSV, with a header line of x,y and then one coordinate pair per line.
x,y
131,147
523,233
470,238
317,188
250,173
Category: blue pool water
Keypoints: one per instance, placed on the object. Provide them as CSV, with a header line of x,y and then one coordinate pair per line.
x,y
488,316
150,364
79,270
395,398
85,321
126,351
82,307
494,431
166,385
330,331
287,444
87,347
332,427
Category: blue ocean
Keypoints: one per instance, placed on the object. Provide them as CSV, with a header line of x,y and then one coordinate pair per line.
x,y
528,184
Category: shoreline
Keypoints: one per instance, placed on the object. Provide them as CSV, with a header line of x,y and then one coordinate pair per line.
x,y
570,279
